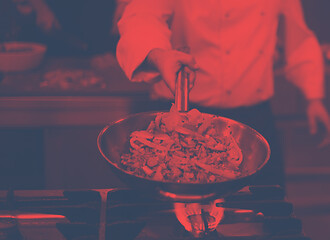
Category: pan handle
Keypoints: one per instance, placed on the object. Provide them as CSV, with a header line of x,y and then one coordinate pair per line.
x,y
182,90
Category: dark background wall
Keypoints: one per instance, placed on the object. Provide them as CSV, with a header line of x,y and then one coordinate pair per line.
x,y
317,15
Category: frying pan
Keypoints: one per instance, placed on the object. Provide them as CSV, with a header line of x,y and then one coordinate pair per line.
x,y
113,141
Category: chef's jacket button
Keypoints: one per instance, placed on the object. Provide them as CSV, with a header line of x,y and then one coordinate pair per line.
x,y
261,52
227,15
259,90
262,13
227,52
228,92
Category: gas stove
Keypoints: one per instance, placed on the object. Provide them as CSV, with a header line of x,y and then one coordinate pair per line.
x,y
255,212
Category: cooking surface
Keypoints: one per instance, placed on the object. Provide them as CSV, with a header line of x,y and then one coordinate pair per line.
x,y
129,214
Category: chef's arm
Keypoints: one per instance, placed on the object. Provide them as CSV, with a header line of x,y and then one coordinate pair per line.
x,y
305,67
304,62
142,27
120,7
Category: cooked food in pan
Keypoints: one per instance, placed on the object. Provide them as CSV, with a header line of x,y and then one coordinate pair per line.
x,y
183,147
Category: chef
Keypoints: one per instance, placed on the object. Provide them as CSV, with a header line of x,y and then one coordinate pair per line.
x,y
229,49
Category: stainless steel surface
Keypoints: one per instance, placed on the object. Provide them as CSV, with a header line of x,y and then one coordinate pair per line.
x,y
182,91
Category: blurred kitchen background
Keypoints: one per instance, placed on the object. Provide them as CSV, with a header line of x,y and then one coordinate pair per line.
x,y
50,116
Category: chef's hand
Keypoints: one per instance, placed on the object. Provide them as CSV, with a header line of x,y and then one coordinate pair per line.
x,y
47,21
169,62
45,18
316,111
120,7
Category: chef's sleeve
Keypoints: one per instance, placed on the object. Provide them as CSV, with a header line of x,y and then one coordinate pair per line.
x,y
142,27
304,60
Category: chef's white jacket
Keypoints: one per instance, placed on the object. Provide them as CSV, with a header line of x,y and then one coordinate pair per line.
x,y
232,41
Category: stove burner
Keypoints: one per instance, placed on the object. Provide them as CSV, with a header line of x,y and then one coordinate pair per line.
x,y
199,219
256,212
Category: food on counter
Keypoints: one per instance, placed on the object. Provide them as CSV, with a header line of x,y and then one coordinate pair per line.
x,y
103,61
183,147
71,79
20,56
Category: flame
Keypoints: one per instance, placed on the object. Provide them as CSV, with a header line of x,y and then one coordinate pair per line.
x,y
197,218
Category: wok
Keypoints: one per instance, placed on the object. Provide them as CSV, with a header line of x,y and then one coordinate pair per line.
x,y
113,140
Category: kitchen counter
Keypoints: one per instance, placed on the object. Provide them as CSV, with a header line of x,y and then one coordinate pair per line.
x,y
112,80
28,99
47,130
